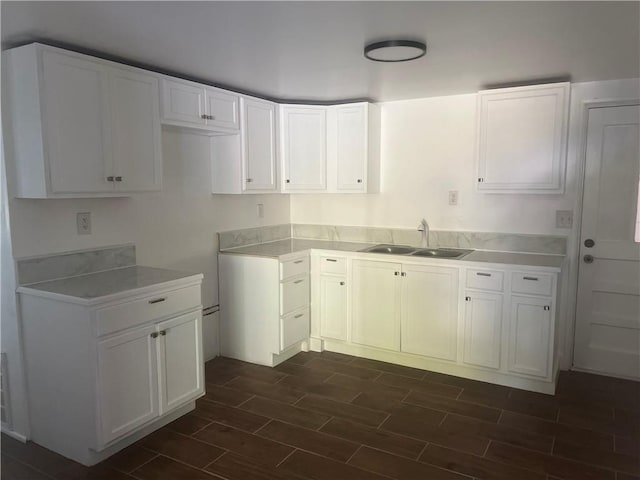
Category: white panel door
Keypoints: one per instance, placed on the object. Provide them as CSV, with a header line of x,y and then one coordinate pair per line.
x,y
183,103
522,138
530,339
128,382
333,307
181,360
351,148
375,297
259,145
304,145
135,123
222,109
608,305
482,329
430,311
76,116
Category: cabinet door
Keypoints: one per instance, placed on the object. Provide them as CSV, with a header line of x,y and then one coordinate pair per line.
x,y
375,321
351,148
482,329
522,138
181,361
259,145
530,335
223,107
333,307
135,123
128,382
76,122
430,311
304,145
183,103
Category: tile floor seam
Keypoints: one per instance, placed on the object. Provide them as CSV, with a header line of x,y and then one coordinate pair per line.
x,y
486,449
241,403
225,451
255,432
443,419
130,472
354,453
299,400
295,449
426,444
31,466
321,426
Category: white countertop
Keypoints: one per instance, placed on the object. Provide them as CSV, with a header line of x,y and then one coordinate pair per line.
x,y
281,248
102,286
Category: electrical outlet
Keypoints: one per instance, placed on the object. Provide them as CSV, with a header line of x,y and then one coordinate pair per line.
x,y
260,210
564,218
453,197
83,223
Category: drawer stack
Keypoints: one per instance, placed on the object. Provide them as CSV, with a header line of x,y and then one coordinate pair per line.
x,y
294,301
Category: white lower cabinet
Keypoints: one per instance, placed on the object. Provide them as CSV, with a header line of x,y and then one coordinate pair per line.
x,y
333,307
264,307
430,311
119,368
482,329
530,327
376,292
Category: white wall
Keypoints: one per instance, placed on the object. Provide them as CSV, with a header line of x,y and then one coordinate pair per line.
x,y
428,148
175,228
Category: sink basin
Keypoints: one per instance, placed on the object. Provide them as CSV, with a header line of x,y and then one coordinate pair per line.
x,y
390,249
441,253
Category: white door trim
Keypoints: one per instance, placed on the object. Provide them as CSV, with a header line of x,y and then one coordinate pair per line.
x,y
587,106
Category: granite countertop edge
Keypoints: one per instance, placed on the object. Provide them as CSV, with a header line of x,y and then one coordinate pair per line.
x,y
283,248
110,285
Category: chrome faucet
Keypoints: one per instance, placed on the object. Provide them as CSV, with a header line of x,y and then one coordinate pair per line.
x,y
424,228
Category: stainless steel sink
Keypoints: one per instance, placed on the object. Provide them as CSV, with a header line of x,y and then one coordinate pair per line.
x,y
453,253
441,252
390,249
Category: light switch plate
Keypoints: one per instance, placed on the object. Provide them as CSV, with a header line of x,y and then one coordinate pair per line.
x,y
564,218
453,197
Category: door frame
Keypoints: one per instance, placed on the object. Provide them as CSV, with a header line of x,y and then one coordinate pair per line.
x,y
574,242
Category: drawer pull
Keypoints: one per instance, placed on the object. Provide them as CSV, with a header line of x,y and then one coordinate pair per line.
x,y
331,260
299,281
535,279
154,335
341,283
298,261
547,307
467,299
157,300
482,274
162,332
299,315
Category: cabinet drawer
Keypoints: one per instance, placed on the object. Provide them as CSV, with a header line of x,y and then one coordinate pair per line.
x,y
294,328
294,294
333,265
126,315
485,280
294,267
533,283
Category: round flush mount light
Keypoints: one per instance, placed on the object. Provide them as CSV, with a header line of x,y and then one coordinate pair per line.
x,y
395,50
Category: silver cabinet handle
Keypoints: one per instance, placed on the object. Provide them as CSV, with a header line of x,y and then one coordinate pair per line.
x,y
547,307
157,300
299,281
299,315
482,274
341,283
203,116
298,261
331,260
288,181
118,179
467,299
396,273
110,178
404,274
154,335
535,279
480,180
359,180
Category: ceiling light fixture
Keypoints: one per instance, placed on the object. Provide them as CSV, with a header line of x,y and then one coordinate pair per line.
x,y
395,50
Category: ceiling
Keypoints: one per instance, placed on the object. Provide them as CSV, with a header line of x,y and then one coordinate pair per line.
x,y
313,50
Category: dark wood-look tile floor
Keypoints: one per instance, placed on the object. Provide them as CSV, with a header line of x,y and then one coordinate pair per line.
x,y
325,416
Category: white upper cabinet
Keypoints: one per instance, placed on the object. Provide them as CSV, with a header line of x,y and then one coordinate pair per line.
x,y
341,142
522,139
259,145
303,148
191,105
80,126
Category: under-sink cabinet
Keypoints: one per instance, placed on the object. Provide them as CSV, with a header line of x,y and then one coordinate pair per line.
x,y
489,322
103,373
264,307
79,126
